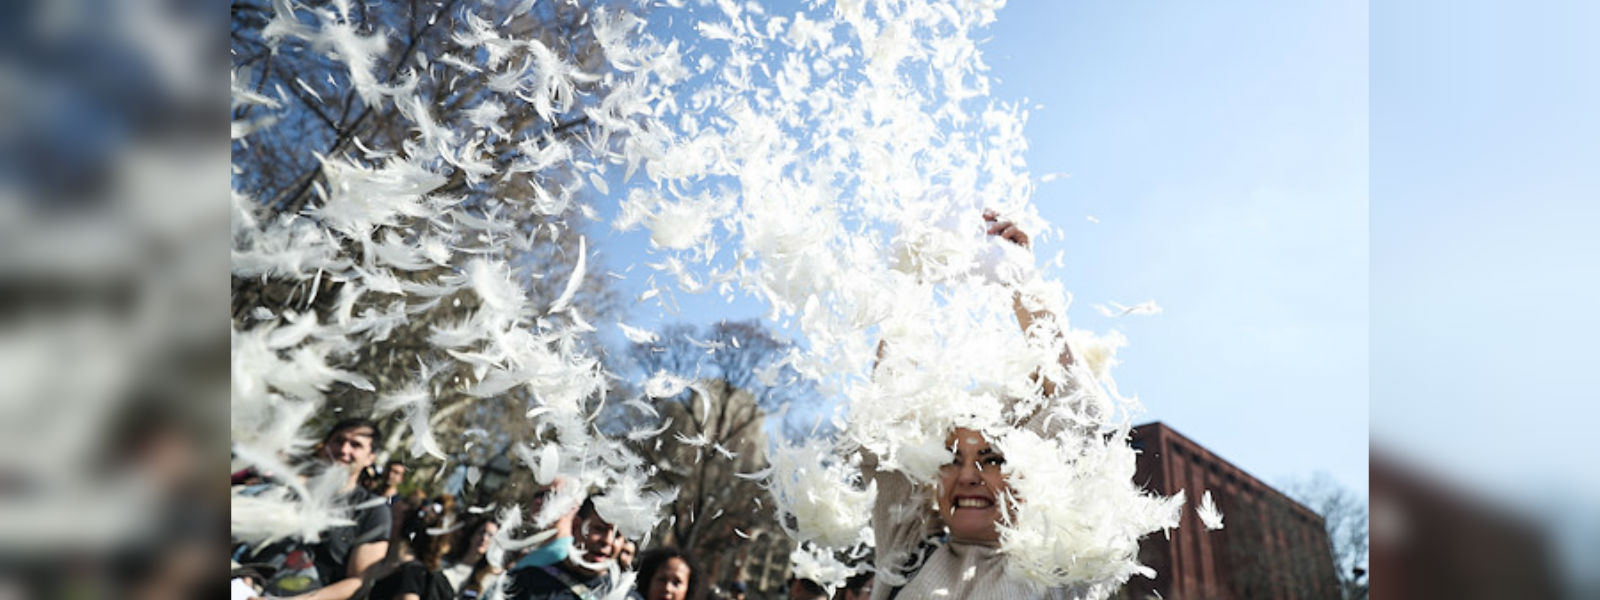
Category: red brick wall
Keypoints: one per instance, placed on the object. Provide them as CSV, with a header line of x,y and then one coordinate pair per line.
x,y
1271,547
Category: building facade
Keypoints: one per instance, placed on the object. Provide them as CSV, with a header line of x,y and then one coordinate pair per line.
x,y
1270,546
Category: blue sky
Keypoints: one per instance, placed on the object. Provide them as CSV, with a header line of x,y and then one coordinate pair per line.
x,y
1222,147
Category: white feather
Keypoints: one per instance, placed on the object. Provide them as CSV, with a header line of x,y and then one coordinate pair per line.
x,y
549,461
574,281
1208,513
636,335
665,385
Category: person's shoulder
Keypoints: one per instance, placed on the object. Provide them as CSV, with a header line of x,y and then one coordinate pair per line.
x,y
410,577
369,508
414,568
363,497
532,583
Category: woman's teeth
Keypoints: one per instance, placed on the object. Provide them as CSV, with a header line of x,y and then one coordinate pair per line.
x,y
973,503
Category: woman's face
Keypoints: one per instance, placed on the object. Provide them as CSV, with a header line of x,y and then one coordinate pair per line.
x,y
480,541
970,487
671,581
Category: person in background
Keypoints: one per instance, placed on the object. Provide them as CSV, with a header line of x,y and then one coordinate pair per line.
x,y
467,566
584,572
405,504
556,549
668,574
625,554
857,587
413,572
394,474
737,590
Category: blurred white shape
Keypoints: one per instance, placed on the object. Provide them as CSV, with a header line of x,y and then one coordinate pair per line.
x,y
1208,513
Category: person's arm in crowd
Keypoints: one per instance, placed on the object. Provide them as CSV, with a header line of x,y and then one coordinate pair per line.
x,y
1025,318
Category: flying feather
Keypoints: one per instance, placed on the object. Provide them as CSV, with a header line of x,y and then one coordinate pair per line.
x,y
573,282
636,335
1208,513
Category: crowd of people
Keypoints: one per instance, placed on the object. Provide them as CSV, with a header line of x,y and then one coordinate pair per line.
x,y
418,546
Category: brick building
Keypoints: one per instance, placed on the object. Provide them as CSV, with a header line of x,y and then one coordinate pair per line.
x,y
1270,547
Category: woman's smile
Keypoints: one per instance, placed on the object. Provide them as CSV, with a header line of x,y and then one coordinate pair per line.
x,y
973,502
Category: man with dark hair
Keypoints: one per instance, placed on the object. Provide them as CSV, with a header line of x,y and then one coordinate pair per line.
x,y
346,552
387,485
394,474
584,574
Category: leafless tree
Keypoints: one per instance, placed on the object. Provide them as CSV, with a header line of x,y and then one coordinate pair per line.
x,y
717,431
319,113
1345,515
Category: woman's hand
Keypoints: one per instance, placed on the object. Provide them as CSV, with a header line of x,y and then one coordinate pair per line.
x,y
1005,229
